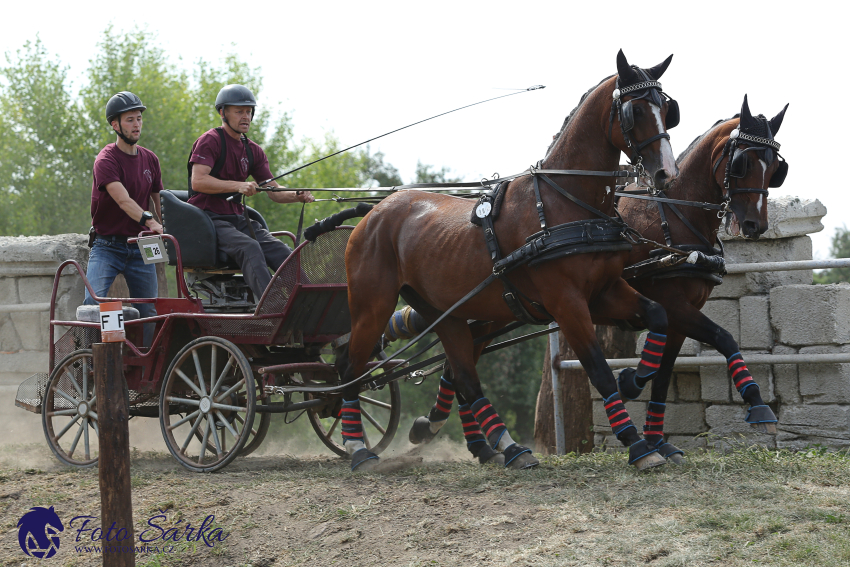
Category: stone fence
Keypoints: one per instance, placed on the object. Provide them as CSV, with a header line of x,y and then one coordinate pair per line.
x,y
771,312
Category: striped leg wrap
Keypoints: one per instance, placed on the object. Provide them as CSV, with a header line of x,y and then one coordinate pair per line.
x,y
491,423
471,430
650,358
653,429
618,417
352,425
443,408
741,376
404,324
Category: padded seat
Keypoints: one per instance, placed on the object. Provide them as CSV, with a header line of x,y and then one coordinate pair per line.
x,y
195,232
91,313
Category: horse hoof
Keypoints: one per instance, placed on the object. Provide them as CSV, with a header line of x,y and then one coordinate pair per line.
x,y
767,428
364,460
518,457
626,383
672,453
420,431
676,458
649,461
498,459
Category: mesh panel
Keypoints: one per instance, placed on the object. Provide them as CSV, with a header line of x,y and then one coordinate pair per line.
x,y
75,338
71,382
320,262
31,392
225,327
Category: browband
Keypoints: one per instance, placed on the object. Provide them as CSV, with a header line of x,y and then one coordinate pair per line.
x,y
737,134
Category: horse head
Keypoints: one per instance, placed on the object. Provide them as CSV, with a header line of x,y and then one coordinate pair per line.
x,y
643,113
748,164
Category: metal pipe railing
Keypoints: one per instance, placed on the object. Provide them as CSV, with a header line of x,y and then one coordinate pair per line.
x,y
694,361
787,266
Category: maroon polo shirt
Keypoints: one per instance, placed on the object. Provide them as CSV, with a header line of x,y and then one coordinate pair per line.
x,y
139,174
206,151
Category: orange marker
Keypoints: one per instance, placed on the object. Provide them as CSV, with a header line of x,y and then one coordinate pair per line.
x,y
112,322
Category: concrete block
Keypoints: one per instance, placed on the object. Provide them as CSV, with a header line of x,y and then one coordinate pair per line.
x,y
637,411
791,216
785,382
687,442
594,393
35,289
30,330
685,419
9,340
756,332
727,421
689,348
50,249
715,385
8,291
724,312
824,383
24,362
733,287
805,315
741,251
688,387
802,425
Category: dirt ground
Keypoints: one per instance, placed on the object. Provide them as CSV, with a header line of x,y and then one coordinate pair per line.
x,y
750,506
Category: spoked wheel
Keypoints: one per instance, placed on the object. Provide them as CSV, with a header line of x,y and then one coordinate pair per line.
x,y
68,411
380,410
206,407
260,427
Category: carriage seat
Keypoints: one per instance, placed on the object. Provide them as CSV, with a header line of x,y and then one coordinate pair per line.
x,y
195,232
91,313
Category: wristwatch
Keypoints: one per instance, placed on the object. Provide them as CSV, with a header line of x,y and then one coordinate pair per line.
x,y
146,216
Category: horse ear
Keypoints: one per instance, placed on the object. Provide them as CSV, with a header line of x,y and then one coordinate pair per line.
x,y
747,120
658,70
624,70
776,121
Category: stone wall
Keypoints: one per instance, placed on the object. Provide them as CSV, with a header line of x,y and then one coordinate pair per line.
x,y
774,312
27,269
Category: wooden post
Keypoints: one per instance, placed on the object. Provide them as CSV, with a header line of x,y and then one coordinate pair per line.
x,y
113,402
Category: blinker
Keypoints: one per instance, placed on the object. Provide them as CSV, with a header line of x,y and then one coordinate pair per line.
x,y
672,113
627,116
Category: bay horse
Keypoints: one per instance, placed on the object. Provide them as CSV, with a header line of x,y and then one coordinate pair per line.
x,y
422,246
708,173
734,162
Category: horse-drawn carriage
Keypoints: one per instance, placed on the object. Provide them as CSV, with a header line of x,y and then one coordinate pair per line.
x,y
217,357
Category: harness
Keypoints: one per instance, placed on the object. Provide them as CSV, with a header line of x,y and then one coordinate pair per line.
x,y
219,164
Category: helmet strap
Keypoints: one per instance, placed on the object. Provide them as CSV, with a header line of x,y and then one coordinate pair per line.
x,y
120,132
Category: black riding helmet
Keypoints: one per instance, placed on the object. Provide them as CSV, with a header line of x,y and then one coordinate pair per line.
x,y
234,95
125,101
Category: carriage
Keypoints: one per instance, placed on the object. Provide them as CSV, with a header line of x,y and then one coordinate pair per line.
x,y
216,368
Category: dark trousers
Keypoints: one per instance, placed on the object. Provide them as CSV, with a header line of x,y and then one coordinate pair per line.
x,y
254,257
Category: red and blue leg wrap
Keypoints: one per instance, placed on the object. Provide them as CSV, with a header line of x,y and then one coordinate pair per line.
x,y
445,398
491,424
740,374
618,417
653,429
650,358
352,424
471,430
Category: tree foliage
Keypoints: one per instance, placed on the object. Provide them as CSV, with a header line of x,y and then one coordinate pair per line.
x,y
840,248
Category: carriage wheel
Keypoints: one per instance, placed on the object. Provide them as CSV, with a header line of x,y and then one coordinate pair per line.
x,y
259,430
68,411
206,408
381,411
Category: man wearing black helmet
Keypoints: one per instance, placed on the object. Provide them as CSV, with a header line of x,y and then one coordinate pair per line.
x,y
125,175
219,166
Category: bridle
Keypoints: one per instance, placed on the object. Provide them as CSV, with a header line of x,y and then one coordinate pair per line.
x,y
736,164
652,91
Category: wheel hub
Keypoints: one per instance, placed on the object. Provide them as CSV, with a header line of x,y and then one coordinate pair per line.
x,y
83,408
206,405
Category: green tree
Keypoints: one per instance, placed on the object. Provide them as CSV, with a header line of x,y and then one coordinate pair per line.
x,y
840,248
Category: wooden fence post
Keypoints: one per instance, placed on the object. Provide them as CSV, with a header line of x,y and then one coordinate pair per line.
x,y
114,460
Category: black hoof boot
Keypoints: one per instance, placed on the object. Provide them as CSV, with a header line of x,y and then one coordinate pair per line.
x,y
671,453
486,455
363,460
519,457
626,382
644,456
420,431
762,419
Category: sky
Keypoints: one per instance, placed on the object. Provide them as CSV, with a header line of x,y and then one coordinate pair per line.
x,y
361,69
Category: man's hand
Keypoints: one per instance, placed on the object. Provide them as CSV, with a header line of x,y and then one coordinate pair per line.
x,y
304,196
154,226
248,188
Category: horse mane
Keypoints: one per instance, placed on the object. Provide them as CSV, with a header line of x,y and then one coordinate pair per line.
x,y
571,114
699,138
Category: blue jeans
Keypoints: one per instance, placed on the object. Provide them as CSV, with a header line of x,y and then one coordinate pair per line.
x,y
107,260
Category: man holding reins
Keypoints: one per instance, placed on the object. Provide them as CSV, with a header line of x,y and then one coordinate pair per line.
x,y
125,174
219,166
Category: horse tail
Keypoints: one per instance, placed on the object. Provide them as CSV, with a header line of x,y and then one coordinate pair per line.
x,y
333,221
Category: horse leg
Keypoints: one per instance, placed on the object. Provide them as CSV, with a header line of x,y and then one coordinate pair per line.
x,y
369,316
697,326
492,434
653,429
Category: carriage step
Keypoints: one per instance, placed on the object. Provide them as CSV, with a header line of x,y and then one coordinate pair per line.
x,y
321,367
31,391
